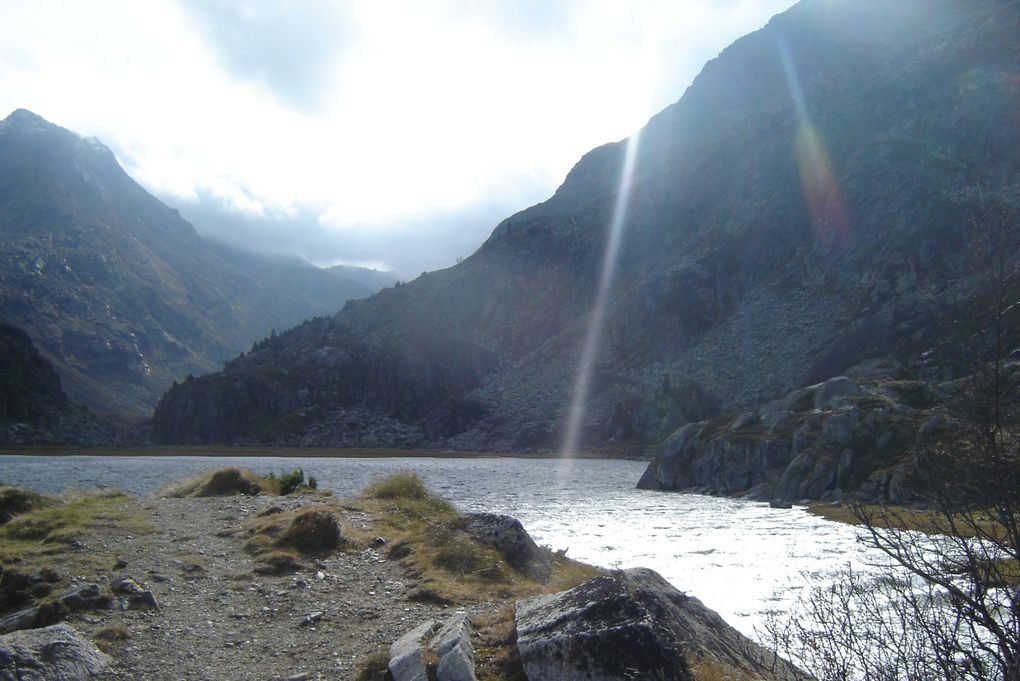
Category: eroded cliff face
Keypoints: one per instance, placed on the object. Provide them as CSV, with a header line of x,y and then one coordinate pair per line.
x,y
798,211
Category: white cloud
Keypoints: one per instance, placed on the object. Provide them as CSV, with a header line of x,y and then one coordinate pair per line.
x,y
367,113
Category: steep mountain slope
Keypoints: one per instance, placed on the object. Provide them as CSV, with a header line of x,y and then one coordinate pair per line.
x,y
119,292
33,406
799,210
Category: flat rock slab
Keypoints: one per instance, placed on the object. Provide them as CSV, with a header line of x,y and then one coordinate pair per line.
x,y
632,625
56,653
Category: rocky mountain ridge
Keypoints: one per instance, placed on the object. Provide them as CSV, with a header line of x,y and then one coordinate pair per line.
x,y
797,212
118,292
33,406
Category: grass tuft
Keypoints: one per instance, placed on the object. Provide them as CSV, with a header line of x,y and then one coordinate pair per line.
x,y
279,562
15,501
314,530
108,637
402,485
373,667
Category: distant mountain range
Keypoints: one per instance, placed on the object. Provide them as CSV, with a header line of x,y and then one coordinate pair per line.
x,y
799,211
119,293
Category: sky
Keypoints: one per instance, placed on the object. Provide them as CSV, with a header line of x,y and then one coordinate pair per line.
x,y
392,134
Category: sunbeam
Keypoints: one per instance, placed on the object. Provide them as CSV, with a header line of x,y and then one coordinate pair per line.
x,y
818,183
589,352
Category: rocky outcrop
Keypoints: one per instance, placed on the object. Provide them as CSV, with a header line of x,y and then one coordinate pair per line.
x,y
80,598
836,439
407,654
55,653
447,653
506,534
634,625
732,284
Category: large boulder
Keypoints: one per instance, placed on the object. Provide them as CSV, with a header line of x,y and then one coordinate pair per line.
x,y
56,653
506,534
634,625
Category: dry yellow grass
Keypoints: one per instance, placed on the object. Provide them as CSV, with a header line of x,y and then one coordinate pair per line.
x,y
426,532
50,528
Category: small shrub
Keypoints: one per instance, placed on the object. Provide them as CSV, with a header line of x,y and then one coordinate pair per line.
x,y
229,481
288,483
14,501
291,482
315,530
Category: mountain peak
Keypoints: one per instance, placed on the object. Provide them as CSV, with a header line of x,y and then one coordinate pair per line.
x,y
23,120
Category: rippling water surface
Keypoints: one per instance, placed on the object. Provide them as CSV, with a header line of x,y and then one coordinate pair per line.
x,y
741,558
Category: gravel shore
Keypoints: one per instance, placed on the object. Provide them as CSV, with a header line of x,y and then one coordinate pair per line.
x,y
219,619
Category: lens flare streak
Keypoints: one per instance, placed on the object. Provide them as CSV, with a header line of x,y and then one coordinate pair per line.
x,y
818,182
596,320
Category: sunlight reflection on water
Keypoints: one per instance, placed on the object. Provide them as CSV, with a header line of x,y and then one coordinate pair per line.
x,y
732,554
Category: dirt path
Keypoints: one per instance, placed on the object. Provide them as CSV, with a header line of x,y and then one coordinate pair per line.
x,y
219,620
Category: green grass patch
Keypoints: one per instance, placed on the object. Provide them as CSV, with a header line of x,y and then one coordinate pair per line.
x,y
51,527
14,501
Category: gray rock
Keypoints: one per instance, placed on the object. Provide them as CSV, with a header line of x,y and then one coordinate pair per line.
x,y
407,656
143,599
311,618
137,596
125,586
22,619
452,645
632,625
87,597
56,653
834,388
778,420
800,400
745,420
508,536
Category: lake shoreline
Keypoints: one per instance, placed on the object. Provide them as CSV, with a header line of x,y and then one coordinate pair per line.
x,y
297,452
